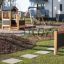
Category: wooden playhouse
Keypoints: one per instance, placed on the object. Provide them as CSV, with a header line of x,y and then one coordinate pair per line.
x,y
10,18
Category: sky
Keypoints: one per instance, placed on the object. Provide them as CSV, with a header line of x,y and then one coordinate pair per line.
x,y
22,5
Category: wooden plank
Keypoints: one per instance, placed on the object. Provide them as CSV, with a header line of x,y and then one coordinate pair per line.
x,y
55,42
6,19
2,19
17,21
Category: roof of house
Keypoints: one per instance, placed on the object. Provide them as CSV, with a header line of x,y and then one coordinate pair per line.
x,y
38,1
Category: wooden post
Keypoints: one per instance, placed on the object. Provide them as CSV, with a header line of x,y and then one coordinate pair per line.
x,y
10,19
55,42
2,19
17,20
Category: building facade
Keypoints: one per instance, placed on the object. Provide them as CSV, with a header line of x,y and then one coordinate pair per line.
x,y
52,8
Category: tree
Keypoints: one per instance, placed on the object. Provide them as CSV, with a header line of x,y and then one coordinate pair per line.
x,y
1,1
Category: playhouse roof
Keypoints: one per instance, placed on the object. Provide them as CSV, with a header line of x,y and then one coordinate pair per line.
x,y
13,8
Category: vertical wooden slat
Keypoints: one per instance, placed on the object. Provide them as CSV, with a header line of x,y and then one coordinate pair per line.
x,y
17,20
10,19
55,42
2,19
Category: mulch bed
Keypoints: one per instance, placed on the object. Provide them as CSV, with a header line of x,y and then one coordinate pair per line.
x,y
10,43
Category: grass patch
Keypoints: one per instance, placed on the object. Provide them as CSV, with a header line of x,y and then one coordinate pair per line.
x,y
41,59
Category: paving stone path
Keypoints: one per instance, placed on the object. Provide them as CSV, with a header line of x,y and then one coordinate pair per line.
x,y
42,52
51,49
27,56
11,61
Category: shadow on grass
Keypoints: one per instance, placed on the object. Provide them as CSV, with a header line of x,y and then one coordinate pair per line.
x,y
60,54
45,46
42,47
61,51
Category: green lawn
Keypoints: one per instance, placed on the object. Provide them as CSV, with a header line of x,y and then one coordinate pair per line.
x,y
41,59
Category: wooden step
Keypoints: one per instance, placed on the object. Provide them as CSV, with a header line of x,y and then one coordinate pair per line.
x,y
14,28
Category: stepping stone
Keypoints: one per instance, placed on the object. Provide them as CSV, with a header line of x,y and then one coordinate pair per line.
x,y
11,61
50,49
42,52
29,56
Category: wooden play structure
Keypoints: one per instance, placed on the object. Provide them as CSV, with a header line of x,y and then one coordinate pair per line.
x,y
10,20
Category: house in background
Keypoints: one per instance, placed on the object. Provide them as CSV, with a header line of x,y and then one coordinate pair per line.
x,y
53,9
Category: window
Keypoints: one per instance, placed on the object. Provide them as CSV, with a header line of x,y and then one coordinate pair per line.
x,y
40,6
60,7
37,6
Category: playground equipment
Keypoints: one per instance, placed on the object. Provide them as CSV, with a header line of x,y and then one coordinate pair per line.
x,y
10,20
6,19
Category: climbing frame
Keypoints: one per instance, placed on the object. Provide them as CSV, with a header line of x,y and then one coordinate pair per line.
x,y
10,20
6,19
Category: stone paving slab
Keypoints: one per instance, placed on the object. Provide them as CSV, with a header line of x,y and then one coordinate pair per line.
x,y
29,56
42,52
50,49
11,61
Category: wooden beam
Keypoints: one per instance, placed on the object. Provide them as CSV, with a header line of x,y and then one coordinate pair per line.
x,y
10,19
2,19
55,42
17,20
